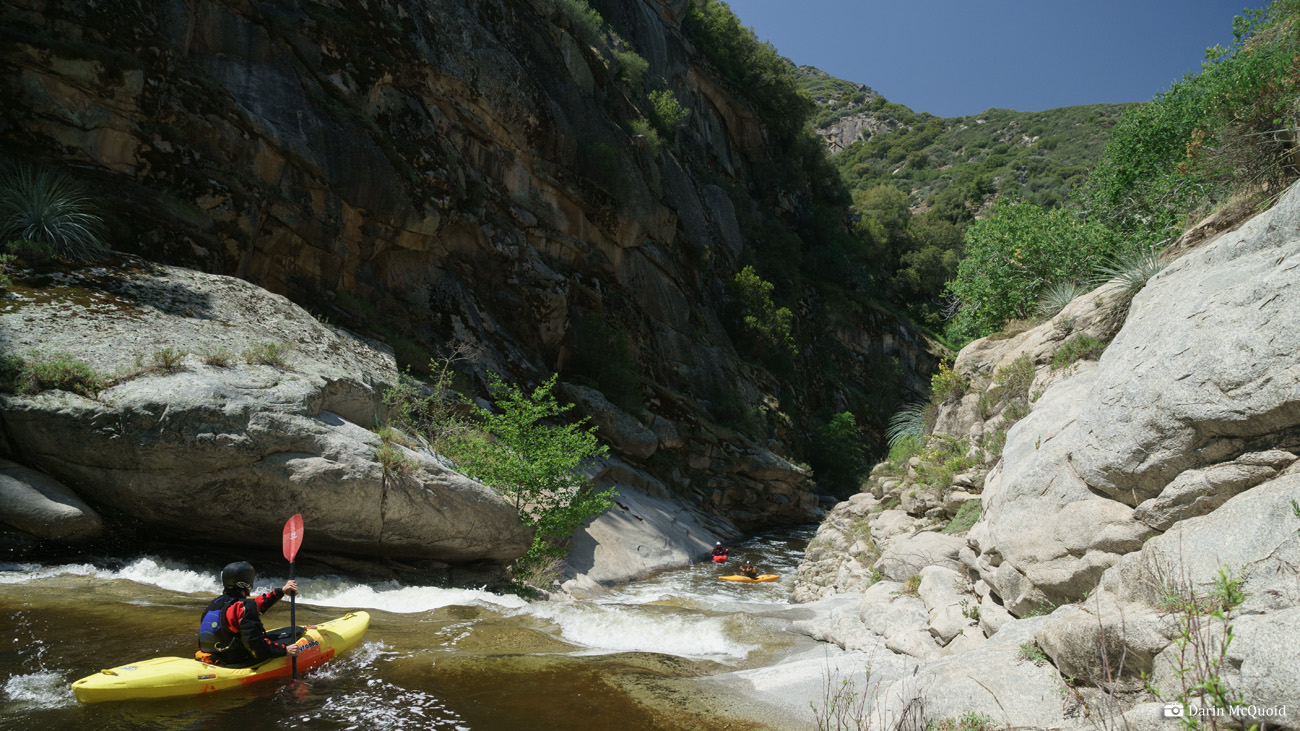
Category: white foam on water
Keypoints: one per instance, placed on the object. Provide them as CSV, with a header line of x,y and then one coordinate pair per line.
x,y
385,705
325,591
393,597
43,689
363,656
635,629
169,575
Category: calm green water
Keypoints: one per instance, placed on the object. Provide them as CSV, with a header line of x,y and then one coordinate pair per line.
x,y
433,658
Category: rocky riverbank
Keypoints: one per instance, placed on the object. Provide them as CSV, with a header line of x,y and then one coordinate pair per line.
x,y
1062,541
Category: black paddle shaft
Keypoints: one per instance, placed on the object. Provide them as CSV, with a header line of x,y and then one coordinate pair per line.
x,y
293,622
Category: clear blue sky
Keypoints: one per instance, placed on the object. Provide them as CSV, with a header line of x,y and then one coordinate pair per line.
x,y
959,57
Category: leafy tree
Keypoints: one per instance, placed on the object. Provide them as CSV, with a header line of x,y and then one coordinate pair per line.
x,y
1013,255
838,455
768,326
666,112
535,463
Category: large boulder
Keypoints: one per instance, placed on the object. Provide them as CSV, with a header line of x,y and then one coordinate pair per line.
x,y
1204,366
615,425
647,530
44,507
1193,402
1254,537
218,448
838,559
992,679
1197,492
905,557
1044,536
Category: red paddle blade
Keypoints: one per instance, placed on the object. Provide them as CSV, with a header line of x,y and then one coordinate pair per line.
x,y
292,537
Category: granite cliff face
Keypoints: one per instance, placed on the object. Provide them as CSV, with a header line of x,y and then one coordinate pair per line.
x,y
435,172
1120,494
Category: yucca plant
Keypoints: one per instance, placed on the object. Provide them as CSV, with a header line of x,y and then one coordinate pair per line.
x,y
50,208
910,423
1057,296
1131,270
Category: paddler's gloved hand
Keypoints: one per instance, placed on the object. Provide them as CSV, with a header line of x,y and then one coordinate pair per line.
x,y
291,587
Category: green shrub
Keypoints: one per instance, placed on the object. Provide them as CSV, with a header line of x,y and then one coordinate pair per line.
x,y
909,423
900,453
1131,270
1030,651
1010,258
666,112
943,458
48,372
169,359
767,78
1015,378
1079,347
32,252
965,519
963,722
586,23
267,353
393,459
1229,127
534,462
768,327
49,208
837,455
947,384
911,586
631,67
433,412
221,357
6,266
641,127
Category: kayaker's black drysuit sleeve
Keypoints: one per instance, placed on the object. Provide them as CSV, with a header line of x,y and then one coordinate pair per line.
x,y
251,630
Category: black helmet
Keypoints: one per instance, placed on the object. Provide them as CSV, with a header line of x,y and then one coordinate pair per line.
x,y
238,575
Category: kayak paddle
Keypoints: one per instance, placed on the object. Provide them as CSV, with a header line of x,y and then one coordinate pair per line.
x,y
292,542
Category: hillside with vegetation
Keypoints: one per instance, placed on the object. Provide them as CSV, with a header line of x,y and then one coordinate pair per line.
x,y
919,180
958,164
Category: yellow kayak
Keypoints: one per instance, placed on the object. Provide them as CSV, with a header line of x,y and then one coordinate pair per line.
x,y
762,578
168,677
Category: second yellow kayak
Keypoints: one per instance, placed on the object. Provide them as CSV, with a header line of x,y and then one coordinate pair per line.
x,y
762,578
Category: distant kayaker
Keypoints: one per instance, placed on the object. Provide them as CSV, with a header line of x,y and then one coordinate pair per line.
x,y
231,632
749,571
718,550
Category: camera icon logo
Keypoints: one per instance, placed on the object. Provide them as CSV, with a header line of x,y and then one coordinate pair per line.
x,y
1172,710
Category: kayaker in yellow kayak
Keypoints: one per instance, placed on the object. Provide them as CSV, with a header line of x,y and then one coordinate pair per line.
x,y
231,631
749,571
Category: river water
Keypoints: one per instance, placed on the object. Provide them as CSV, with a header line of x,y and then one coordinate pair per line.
x,y
433,658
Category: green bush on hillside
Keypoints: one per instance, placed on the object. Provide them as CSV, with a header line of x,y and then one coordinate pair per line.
x,y
587,23
1230,127
666,112
768,329
534,463
1012,257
